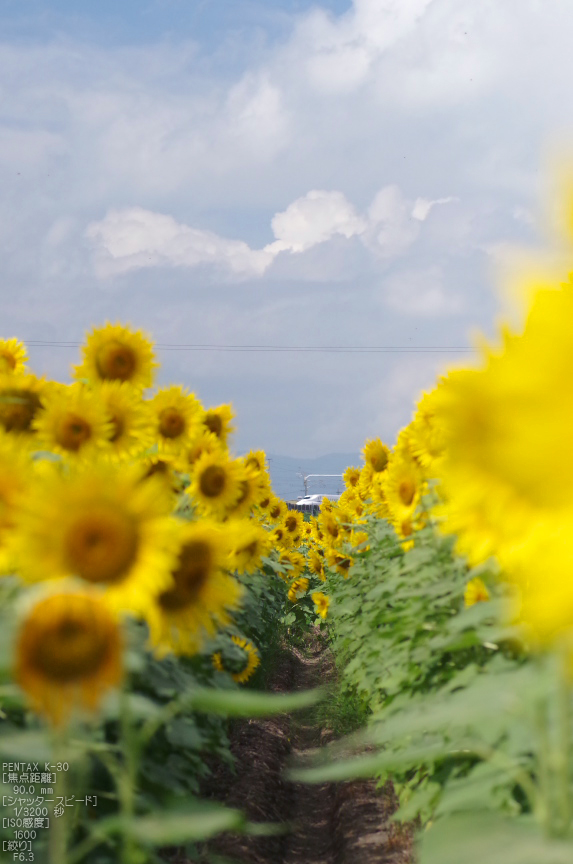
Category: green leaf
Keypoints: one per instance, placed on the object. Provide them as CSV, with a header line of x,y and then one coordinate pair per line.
x,y
171,828
483,838
248,703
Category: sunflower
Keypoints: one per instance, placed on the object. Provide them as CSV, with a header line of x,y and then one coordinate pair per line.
x,y
165,469
200,595
205,443
252,489
476,592
277,509
316,564
15,477
20,404
131,420
292,523
321,603
13,356
298,589
176,419
68,653
218,421
215,484
100,524
376,454
240,663
117,353
331,528
339,562
294,562
249,543
426,435
351,477
74,422
403,485
256,459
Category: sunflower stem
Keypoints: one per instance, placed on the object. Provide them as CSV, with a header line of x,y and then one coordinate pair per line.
x,y
128,779
563,758
545,807
58,836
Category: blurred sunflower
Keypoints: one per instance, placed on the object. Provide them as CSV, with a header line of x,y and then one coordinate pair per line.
x,y
256,459
298,589
101,525
68,653
241,663
404,485
316,564
20,404
15,477
205,443
321,603
252,489
376,454
249,542
131,420
74,422
13,356
218,422
476,592
215,484
294,562
351,477
165,469
117,353
201,594
339,562
176,419
277,509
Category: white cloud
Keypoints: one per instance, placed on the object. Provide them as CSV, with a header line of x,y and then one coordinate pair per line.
x,y
420,292
339,52
134,238
312,219
422,206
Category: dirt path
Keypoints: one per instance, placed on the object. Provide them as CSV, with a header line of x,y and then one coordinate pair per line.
x,y
332,823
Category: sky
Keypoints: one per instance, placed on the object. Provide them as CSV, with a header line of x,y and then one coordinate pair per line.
x,y
276,173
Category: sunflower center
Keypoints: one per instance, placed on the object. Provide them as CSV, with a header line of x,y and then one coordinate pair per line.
x,y
72,432
245,488
406,528
116,361
214,424
118,428
171,423
7,361
73,647
406,491
275,512
291,523
250,549
194,568
17,409
101,546
213,481
379,460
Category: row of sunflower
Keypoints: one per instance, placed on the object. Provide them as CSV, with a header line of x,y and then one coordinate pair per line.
x,y
477,491
119,507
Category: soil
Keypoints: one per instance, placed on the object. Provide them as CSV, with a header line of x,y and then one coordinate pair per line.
x,y
332,823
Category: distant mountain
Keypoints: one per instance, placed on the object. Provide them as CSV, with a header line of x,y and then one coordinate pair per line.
x,y
285,473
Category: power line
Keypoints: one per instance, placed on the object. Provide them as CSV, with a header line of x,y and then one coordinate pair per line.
x,y
324,349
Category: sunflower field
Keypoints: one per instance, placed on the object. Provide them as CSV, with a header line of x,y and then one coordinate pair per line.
x,y
150,578
145,570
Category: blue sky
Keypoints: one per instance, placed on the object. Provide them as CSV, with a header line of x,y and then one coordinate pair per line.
x,y
277,173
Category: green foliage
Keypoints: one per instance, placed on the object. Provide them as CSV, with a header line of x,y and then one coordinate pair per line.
x,y
430,672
